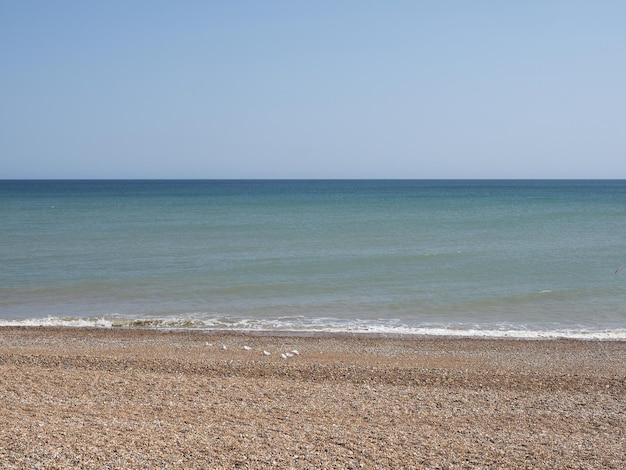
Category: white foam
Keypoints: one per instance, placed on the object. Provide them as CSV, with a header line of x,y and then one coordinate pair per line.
x,y
322,325
59,321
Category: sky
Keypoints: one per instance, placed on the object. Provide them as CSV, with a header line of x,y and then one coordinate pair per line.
x,y
321,89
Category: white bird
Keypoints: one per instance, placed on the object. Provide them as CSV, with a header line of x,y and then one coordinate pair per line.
x,y
266,353
284,356
296,352
223,346
247,348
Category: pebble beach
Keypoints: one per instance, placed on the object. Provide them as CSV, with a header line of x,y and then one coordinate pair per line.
x,y
133,398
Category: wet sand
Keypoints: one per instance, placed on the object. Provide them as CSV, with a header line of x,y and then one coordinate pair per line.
x,y
100,398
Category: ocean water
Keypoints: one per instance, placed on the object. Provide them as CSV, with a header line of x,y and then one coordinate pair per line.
x,y
492,258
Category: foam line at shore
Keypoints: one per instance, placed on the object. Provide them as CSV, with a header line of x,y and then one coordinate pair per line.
x,y
504,331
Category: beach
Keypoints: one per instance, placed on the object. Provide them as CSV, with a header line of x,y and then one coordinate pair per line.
x,y
133,398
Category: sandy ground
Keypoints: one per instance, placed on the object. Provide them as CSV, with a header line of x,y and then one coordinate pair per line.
x,y
98,398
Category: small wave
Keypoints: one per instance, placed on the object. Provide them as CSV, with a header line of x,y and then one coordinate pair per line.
x,y
323,325
60,321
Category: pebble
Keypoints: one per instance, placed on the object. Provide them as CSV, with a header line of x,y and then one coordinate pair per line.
x,y
130,399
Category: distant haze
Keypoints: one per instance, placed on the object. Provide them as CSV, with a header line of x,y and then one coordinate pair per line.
x,y
277,89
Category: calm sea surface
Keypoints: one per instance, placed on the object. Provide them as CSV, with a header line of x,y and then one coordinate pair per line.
x,y
505,258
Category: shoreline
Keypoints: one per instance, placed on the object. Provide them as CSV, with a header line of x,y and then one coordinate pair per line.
x,y
614,334
138,398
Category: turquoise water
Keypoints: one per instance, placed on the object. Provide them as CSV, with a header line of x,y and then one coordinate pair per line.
x,y
517,258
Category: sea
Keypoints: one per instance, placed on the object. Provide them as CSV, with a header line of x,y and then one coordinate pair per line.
x,y
493,258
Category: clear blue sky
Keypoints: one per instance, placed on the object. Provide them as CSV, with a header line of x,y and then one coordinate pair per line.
x,y
320,89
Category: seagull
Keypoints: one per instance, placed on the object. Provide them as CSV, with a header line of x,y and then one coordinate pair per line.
x,y
618,269
247,348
